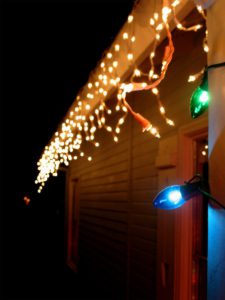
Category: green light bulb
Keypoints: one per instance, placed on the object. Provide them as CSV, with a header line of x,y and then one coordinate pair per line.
x,y
204,97
200,98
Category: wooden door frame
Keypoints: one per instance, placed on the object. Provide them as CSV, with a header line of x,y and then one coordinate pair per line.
x,y
187,136
69,211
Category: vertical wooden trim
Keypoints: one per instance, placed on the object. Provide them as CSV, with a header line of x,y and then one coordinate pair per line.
x,y
129,197
69,218
183,216
66,222
166,163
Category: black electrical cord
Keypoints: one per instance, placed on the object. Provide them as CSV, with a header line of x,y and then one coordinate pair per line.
x,y
211,198
214,66
202,184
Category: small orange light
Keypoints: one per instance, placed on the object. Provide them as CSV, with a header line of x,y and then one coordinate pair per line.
x,y
26,200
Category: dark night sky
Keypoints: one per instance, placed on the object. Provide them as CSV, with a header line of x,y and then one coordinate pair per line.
x,y
48,49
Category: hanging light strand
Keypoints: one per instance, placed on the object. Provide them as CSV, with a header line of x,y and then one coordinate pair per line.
x,y
81,124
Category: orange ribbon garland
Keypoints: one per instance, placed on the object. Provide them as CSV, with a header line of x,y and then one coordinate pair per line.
x,y
138,86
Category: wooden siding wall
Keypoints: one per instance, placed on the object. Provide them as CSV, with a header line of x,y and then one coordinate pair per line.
x,y
118,224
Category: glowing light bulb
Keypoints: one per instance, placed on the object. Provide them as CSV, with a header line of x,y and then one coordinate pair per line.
x,y
112,82
119,97
121,121
137,72
125,35
89,85
175,196
165,13
115,64
130,18
162,110
109,55
155,76
170,122
90,96
128,87
157,36
153,130
93,129
156,16
151,73
175,3
152,22
200,98
206,48
191,78
129,56
152,55
159,27
204,97
155,91
109,128
117,47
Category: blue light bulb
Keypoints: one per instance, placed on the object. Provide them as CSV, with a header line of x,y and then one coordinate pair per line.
x,y
169,198
174,196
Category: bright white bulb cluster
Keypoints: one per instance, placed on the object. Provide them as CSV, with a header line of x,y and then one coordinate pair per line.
x,y
67,142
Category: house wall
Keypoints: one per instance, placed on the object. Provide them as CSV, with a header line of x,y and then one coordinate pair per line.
x,y
216,216
118,224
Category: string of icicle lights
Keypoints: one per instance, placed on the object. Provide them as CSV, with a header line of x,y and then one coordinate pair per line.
x,y
82,123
